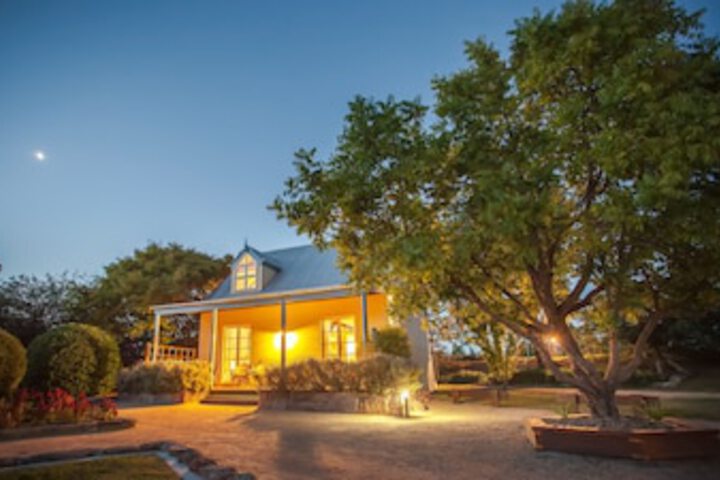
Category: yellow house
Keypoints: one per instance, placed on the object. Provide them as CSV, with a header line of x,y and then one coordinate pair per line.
x,y
279,307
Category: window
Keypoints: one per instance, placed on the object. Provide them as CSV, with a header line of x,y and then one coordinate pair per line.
x,y
236,350
339,339
246,274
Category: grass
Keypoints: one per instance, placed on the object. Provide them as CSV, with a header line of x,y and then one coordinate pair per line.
x,y
706,409
148,467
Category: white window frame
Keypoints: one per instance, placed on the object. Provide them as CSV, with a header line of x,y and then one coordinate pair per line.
x,y
236,270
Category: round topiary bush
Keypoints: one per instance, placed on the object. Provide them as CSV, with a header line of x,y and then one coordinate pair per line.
x,y
13,363
78,358
107,354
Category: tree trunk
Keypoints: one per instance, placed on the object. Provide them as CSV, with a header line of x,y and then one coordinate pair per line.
x,y
603,405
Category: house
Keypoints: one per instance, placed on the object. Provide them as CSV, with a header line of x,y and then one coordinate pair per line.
x,y
284,306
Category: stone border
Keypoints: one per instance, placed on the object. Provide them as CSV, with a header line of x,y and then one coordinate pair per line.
x,y
339,402
194,460
680,442
56,429
160,398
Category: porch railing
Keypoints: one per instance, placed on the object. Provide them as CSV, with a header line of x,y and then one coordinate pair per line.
x,y
170,352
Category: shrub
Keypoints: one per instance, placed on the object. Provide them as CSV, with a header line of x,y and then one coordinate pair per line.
x,y
107,354
165,377
62,358
75,357
380,375
392,341
29,407
13,363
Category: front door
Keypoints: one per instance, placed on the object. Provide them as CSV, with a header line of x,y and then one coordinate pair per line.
x,y
236,351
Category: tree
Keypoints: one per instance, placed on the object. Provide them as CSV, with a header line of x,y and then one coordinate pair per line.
x,y
576,180
392,341
499,348
121,299
29,306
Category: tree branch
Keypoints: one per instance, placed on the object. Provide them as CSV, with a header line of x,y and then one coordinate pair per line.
x,y
640,346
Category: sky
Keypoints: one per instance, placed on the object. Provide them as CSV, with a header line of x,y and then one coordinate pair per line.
x,y
176,121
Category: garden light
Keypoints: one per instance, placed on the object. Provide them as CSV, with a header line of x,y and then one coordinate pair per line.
x,y
405,403
290,340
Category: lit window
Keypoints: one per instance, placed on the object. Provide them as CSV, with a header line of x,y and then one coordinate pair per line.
x,y
339,339
246,274
236,351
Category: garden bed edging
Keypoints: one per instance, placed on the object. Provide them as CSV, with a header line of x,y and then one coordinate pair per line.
x,y
679,442
56,429
341,402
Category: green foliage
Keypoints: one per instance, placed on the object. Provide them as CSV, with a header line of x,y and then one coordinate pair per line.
x,y
499,348
392,341
577,179
30,306
77,358
382,374
166,377
13,363
107,354
121,299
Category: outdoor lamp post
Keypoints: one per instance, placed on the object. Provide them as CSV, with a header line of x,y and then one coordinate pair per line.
x,y
405,403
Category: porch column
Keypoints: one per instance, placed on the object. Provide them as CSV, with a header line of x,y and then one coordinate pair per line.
x,y
156,337
213,345
283,337
364,309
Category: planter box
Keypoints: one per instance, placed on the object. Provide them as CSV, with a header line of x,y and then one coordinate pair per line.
x,y
642,444
51,430
342,402
160,398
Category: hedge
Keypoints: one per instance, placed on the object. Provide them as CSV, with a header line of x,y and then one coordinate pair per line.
x,y
165,377
380,375
77,358
13,363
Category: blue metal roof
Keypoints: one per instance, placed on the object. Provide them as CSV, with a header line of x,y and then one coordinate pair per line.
x,y
297,268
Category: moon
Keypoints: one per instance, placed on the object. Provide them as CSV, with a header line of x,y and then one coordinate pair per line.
x,y
39,155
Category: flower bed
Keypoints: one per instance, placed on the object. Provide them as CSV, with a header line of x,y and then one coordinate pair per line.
x,y
668,441
33,413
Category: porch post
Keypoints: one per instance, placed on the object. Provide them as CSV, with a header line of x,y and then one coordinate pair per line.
x,y
156,338
213,345
363,303
283,337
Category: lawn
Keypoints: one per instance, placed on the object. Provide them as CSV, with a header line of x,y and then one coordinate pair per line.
x,y
115,468
706,409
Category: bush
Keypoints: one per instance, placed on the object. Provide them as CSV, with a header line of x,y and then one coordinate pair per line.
x,y
13,363
392,341
533,376
107,354
77,358
165,377
28,407
379,375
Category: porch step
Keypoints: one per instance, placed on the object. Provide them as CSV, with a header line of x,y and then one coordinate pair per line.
x,y
231,397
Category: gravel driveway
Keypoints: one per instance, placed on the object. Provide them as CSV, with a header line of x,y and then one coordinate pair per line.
x,y
466,441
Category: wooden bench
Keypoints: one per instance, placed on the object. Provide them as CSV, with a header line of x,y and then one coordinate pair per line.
x,y
479,393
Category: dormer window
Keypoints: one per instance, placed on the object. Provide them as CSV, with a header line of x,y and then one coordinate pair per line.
x,y
246,274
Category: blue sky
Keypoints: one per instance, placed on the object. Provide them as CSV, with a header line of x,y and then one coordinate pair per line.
x,y
177,121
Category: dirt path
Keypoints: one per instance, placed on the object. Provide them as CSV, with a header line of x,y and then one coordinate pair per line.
x,y
466,441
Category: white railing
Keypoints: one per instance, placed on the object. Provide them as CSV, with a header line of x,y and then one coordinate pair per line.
x,y
170,352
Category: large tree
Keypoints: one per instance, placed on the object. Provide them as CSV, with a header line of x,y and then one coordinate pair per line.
x,y
30,305
576,180
121,298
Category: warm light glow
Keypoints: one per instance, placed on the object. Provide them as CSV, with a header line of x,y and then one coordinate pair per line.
x,y
290,340
39,155
553,339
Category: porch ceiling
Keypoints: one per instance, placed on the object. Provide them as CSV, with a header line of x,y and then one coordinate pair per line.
x,y
253,301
